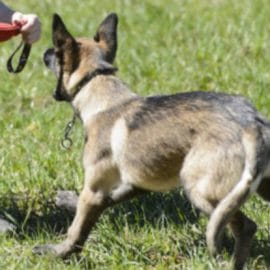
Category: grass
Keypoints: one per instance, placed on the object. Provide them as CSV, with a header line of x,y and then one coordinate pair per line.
x,y
164,47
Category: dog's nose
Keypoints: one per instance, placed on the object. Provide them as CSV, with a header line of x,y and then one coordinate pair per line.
x,y
57,95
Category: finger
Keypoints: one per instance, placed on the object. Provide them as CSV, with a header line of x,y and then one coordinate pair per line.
x,y
30,26
18,19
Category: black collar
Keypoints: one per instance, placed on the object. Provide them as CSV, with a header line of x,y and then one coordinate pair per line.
x,y
89,76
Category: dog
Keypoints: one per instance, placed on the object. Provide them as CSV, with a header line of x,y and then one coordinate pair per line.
x,y
216,146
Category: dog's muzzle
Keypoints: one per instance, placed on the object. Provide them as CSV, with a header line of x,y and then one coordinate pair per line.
x,y
48,57
58,96
49,61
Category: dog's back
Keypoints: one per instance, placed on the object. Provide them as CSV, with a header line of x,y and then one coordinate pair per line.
x,y
150,138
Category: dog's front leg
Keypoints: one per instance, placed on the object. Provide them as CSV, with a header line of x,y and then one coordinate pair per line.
x,y
68,200
90,206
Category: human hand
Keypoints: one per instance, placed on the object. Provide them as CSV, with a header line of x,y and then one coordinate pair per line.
x,y
30,26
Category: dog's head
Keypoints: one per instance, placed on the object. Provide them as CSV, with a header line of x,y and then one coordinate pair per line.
x,y
72,59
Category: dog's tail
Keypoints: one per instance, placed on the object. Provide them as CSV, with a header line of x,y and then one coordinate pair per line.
x,y
238,195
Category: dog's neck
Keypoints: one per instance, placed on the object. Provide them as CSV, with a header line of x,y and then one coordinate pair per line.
x,y
100,94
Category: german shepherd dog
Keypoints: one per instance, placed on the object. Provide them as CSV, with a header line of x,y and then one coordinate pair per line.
x,y
216,146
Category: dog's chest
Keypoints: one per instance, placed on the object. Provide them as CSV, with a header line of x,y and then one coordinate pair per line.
x,y
97,141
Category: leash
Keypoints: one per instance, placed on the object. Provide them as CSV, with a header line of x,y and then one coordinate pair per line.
x,y
67,142
7,31
22,60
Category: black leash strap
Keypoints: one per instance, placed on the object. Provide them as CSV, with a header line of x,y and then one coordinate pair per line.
x,y
22,61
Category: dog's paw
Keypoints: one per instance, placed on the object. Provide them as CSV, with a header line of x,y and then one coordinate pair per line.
x,y
67,200
44,250
62,250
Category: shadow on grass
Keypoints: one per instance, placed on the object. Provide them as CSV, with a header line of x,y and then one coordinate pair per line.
x,y
261,248
155,209
30,221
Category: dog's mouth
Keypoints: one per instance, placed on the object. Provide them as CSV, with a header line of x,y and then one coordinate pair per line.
x,y
60,94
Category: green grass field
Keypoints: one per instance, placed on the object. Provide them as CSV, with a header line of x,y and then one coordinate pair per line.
x,y
164,47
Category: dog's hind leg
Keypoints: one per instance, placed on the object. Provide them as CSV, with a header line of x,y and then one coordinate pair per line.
x,y
199,201
224,210
243,230
228,206
264,189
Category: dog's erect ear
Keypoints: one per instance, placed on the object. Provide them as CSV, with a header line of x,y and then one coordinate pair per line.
x,y
60,35
107,35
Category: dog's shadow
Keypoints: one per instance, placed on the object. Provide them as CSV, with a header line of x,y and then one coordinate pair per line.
x,y
155,209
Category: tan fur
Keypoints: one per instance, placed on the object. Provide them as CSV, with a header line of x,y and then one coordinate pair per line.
x,y
202,142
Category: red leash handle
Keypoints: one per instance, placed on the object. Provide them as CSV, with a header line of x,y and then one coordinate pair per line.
x,y
7,31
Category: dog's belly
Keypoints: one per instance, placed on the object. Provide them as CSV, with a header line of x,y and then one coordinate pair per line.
x,y
150,172
149,183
